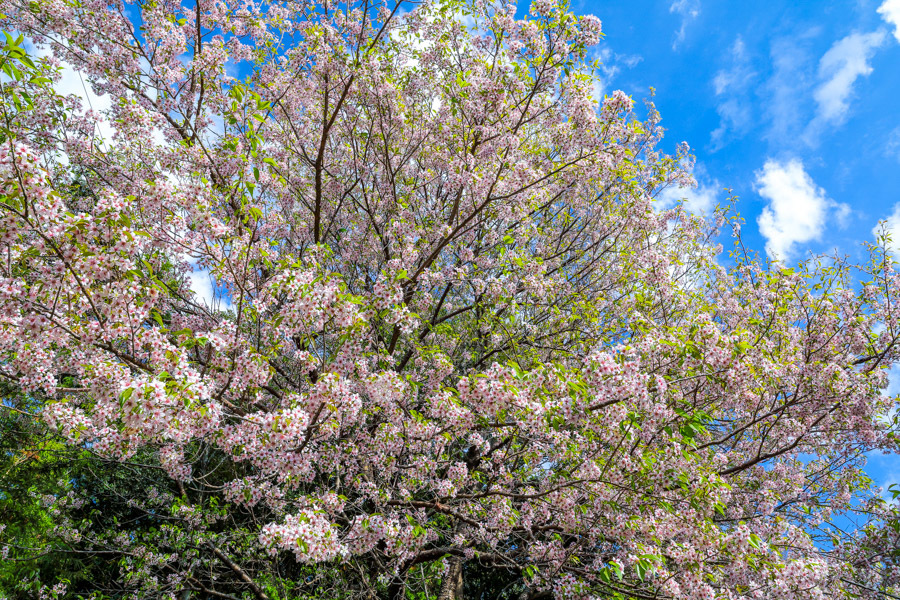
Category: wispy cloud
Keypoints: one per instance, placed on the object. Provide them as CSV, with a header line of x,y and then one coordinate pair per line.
x,y
688,10
787,88
611,64
890,12
839,69
797,208
791,115
892,148
732,89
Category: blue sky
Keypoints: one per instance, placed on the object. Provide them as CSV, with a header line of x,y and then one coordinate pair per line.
x,y
792,105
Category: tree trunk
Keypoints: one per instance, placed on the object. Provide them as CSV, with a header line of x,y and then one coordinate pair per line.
x,y
452,586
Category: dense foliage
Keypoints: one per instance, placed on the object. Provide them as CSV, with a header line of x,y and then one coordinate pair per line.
x,y
450,347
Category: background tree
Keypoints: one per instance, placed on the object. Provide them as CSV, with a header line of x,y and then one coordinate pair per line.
x,y
455,350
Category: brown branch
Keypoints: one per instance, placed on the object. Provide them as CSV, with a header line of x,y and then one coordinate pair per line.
x,y
261,595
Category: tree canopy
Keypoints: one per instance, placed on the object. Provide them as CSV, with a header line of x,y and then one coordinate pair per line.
x,y
373,300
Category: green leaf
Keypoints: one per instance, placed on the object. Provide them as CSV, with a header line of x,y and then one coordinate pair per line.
x,y
643,567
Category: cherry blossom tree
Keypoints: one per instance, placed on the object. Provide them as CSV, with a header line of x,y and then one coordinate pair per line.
x,y
373,301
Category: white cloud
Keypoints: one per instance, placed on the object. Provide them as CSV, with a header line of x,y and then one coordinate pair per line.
x,y
797,209
732,89
842,213
204,286
890,226
845,62
700,199
884,471
893,387
203,283
738,75
890,12
788,87
892,391
886,468
832,78
892,148
72,82
688,10
611,64
598,90
629,60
